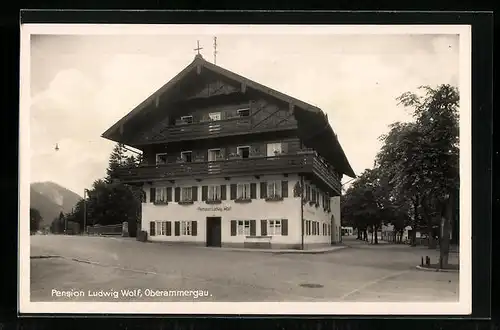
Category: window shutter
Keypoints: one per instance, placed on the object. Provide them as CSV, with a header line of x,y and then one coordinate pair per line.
x,y
169,228
223,192
263,190
263,227
194,228
253,190
177,194
169,194
284,189
194,193
252,228
204,193
308,192
233,191
284,227
152,227
177,228
152,194
233,227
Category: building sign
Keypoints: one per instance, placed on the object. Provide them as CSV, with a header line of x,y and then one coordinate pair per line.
x,y
214,208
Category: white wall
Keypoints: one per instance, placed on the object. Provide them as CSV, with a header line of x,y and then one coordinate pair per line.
x,y
257,210
336,226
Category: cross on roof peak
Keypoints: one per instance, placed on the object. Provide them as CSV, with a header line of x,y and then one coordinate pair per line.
x,y
198,48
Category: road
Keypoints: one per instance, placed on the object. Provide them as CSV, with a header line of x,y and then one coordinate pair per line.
x,y
361,272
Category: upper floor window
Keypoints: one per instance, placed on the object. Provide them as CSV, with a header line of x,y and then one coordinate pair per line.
x,y
245,112
215,116
244,152
161,158
214,154
187,156
273,149
161,195
274,189
186,194
243,191
214,193
187,119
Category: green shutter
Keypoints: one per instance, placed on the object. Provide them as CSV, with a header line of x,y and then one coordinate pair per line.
x,y
252,228
223,192
263,227
169,194
194,193
177,194
177,228
233,191
253,190
194,228
263,190
152,227
233,227
152,193
284,227
169,228
284,189
204,193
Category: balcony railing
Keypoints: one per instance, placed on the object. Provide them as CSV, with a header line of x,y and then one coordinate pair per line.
x,y
209,129
301,162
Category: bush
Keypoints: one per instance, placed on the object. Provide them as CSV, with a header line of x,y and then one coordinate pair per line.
x,y
142,236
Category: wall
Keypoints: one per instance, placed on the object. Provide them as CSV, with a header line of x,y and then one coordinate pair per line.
x,y
257,210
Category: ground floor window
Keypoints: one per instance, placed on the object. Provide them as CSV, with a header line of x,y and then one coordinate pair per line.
x,y
274,227
186,229
161,228
243,227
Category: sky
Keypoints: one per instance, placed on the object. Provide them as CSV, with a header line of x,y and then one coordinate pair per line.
x,y
80,85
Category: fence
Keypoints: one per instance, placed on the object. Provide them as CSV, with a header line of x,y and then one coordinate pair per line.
x,y
105,230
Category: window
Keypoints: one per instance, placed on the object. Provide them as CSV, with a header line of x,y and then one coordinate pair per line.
x,y
308,227
186,194
243,191
187,119
243,112
161,228
187,156
214,193
273,149
214,116
214,154
161,158
244,152
274,189
243,228
186,228
161,195
274,227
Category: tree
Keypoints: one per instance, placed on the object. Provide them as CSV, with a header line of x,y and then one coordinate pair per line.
x,y
35,220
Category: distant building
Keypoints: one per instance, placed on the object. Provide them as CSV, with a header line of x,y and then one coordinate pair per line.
x,y
226,161
347,231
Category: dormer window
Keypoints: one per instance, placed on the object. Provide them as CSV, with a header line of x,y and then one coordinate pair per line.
x,y
245,112
187,119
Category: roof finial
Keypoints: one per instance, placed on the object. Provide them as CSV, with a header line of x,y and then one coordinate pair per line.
x,y
198,48
215,50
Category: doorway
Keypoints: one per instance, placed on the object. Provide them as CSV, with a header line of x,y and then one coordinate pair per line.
x,y
214,231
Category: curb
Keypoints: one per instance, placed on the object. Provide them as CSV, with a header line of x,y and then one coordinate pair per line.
x,y
438,270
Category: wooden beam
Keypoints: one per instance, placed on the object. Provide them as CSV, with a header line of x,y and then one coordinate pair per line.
x,y
291,106
243,87
198,69
157,101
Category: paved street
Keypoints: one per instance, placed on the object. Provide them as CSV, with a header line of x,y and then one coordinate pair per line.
x,y
362,272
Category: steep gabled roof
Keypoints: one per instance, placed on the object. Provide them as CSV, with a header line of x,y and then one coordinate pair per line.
x,y
312,122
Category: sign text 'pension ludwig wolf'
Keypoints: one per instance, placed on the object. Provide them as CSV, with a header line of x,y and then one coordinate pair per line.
x,y
229,162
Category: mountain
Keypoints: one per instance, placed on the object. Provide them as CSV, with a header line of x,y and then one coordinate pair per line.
x,y
50,199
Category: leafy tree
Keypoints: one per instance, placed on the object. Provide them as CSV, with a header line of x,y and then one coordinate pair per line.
x,y
35,219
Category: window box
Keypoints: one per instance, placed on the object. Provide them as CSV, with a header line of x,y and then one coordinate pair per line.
x,y
311,203
185,202
234,156
243,200
160,203
215,201
274,198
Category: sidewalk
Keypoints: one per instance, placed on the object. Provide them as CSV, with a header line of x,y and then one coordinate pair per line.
x,y
283,251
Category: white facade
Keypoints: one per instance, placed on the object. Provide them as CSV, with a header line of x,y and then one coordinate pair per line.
x,y
278,214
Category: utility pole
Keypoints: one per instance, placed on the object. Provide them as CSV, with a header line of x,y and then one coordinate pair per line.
x,y
84,211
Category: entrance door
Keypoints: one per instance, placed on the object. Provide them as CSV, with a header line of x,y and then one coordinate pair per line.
x,y
214,231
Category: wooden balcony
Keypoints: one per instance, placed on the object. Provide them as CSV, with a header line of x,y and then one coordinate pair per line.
x,y
210,129
305,162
